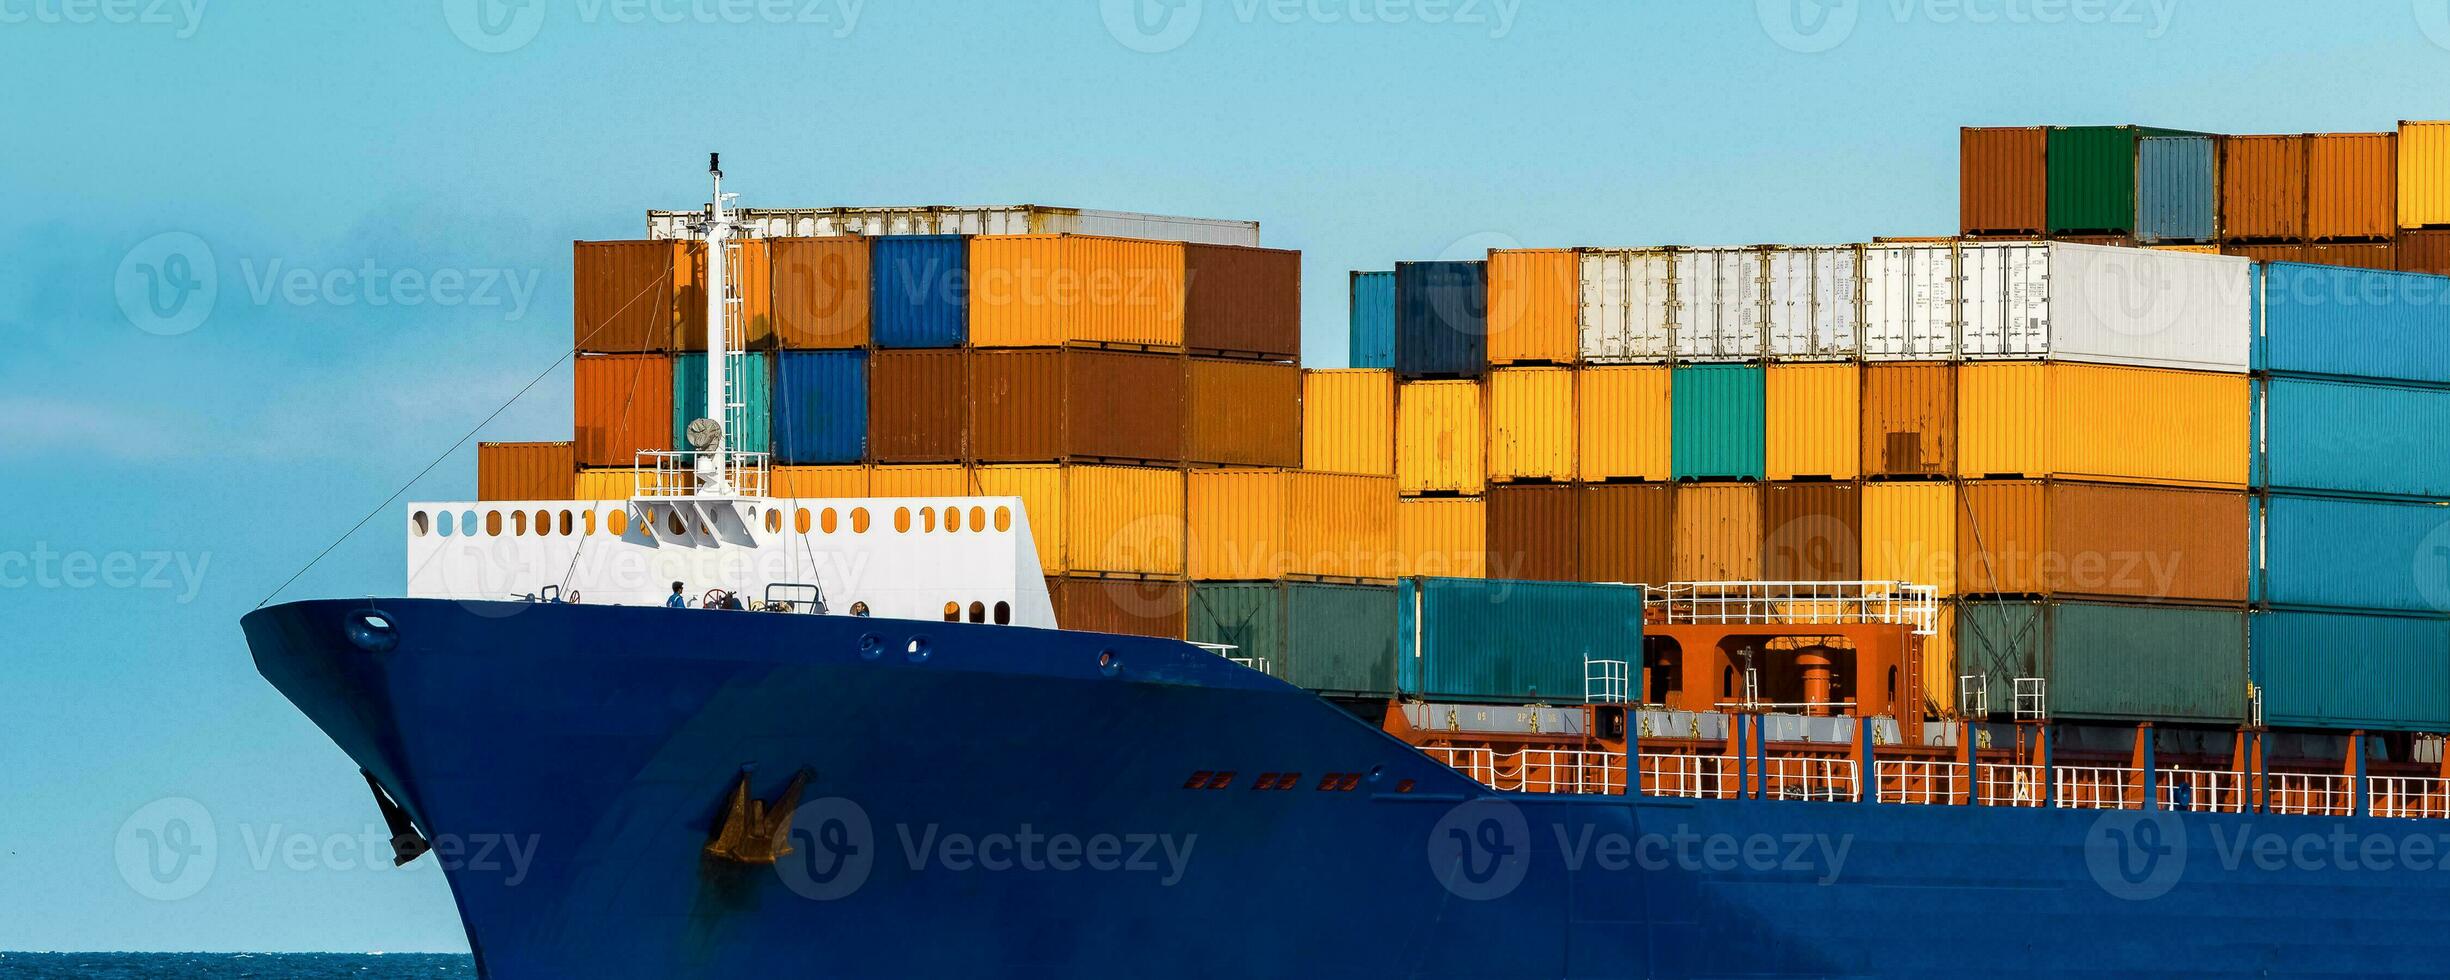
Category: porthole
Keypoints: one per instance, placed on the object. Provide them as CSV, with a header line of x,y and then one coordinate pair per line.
x,y
617,522
871,646
589,518
1003,518
544,523
901,520
444,525
859,520
1003,614
420,524
952,612
978,612
518,523
917,649
774,522
568,524
828,519
952,519
927,518
978,518
467,523
1109,664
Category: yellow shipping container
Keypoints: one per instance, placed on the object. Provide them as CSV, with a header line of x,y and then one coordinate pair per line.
x,y
1442,536
820,482
2424,174
1910,534
1049,290
1815,420
934,480
1438,437
1718,533
608,484
1622,414
1348,421
2196,249
1251,525
1118,520
1534,305
1531,424
2122,424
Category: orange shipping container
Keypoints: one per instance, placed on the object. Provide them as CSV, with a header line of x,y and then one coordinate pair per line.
x,y
2352,186
1441,536
1074,403
1243,413
1910,534
819,292
751,274
2062,538
2361,255
1535,533
2001,188
1255,525
1623,420
1718,533
1348,421
1534,306
820,482
2262,187
1242,301
1812,532
1048,290
1531,424
1438,437
623,406
2424,251
938,480
1098,519
2269,253
1130,607
2102,422
1628,532
918,405
1909,419
526,471
1815,421
623,296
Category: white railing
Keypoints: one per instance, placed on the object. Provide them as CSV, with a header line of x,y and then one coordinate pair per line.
x,y
1698,777
1227,651
1559,771
2200,790
1479,764
2408,796
2094,787
675,474
1804,778
1919,781
2310,793
2008,784
1797,603
1607,682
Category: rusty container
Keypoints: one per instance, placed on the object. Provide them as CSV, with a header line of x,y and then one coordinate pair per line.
x,y
623,296
1909,420
2066,538
526,471
2001,183
1243,413
2424,251
1075,403
623,406
1812,532
1535,533
1628,532
2262,187
918,406
819,290
2352,186
1132,607
1242,302
2359,255
1717,533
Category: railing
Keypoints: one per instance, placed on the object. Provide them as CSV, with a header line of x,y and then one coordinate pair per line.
x,y
1814,779
1226,650
2095,787
1560,771
2200,790
1607,681
1479,764
2311,793
1918,781
2408,796
1697,777
1797,603
2008,784
675,474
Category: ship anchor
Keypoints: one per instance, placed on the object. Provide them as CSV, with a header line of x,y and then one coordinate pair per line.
x,y
754,831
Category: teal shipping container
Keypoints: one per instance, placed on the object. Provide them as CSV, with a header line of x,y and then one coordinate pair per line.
x,y
2110,662
2345,671
1332,639
752,384
2351,437
1501,641
2351,553
2177,189
1717,416
2351,323
1373,321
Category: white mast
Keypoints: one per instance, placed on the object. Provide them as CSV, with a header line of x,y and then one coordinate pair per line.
x,y
714,462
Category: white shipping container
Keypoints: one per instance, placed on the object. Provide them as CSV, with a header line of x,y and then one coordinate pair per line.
x,y
2148,308
1717,313
1018,219
2005,300
1815,296
1625,306
1910,302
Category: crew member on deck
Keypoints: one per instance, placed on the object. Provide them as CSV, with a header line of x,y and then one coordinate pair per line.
x,y
677,601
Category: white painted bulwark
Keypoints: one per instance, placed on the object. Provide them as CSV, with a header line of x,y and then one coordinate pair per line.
x,y
1017,219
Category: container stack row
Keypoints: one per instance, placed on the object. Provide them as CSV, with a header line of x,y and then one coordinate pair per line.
x,y
2367,200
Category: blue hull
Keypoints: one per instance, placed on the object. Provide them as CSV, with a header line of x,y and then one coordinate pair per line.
x,y
1006,806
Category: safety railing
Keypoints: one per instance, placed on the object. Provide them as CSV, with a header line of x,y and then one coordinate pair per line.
x,y
2096,788
1607,681
2324,794
2408,796
1806,778
1558,771
1233,653
2200,790
1918,781
1699,777
679,474
1797,603
1478,763
2008,784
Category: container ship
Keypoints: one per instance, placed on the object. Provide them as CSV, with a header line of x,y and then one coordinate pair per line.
x,y
990,591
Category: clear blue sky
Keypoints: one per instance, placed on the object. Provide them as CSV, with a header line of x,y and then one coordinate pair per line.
x,y
341,137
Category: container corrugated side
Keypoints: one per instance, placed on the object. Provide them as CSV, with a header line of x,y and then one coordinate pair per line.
x,y
1814,421
2355,323
1132,607
1535,533
624,296
820,292
1628,532
2352,437
749,378
2001,181
2262,187
1910,534
1909,419
1718,304
2106,305
1370,339
2032,537
1534,301
1718,421
2352,186
2427,252
1048,290
1442,536
820,407
2348,553
1242,413
1074,403
1265,524
1441,319
820,482
2382,256
1332,639
2091,176
1348,421
2424,174
1717,533
1439,437
919,291
2112,662
526,471
608,484
749,265
1531,424
1910,294
1625,423
921,480
1812,532
2291,252
1098,519
1461,639
1245,302
1814,306
623,407
918,406
2342,671
1627,299
2105,423
2177,189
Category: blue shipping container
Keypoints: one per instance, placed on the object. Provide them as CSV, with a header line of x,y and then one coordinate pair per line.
x,y
2353,437
1441,319
1372,344
2176,189
919,290
2338,670
820,407
752,383
1493,640
2348,553
1717,417
2353,323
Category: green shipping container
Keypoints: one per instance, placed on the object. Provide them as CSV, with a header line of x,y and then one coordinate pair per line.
x,y
2344,671
1501,641
2091,173
1333,639
2108,662
1717,414
752,384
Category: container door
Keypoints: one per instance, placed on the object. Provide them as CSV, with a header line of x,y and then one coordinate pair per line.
x,y
1812,311
1910,300
1625,307
2006,300
1718,304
